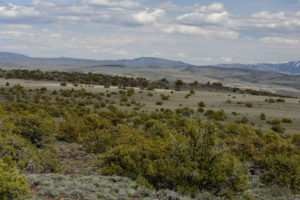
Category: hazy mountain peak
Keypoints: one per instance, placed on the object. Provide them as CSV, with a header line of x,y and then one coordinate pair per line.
x,y
17,60
292,67
12,55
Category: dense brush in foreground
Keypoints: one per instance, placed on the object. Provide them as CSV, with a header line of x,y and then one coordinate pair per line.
x,y
165,153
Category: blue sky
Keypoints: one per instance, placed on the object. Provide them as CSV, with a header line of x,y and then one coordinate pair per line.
x,y
195,31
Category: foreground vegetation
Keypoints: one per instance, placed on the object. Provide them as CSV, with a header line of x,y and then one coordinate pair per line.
x,y
78,135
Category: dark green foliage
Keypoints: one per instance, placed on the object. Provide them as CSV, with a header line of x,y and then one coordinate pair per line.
x,y
287,120
278,128
184,161
166,149
263,116
164,97
201,104
179,83
216,115
39,129
187,112
281,170
280,100
150,94
274,122
159,103
244,120
200,110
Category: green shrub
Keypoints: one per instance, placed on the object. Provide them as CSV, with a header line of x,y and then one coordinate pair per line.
x,y
164,97
244,120
278,128
249,105
274,122
281,170
270,100
200,110
287,120
185,111
216,115
12,185
201,104
38,129
262,116
280,100
179,83
228,101
185,161
296,140
159,103
150,94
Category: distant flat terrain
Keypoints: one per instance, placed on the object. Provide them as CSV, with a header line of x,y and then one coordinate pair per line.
x,y
215,100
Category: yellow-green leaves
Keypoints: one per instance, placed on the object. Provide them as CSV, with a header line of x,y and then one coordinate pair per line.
x,y
12,185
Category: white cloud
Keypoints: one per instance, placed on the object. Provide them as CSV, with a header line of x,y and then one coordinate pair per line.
x,y
165,28
146,17
214,14
226,59
13,11
267,22
278,40
112,3
193,30
42,3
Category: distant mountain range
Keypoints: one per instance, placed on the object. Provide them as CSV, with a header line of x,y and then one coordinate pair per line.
x,y
13,60
292,68
22,61
281,78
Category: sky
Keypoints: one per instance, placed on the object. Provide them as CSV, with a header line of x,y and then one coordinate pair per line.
x,y
200,32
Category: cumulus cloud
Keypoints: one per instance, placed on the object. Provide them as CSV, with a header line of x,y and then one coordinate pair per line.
x,y
87,24
214,14
13,11
267,22
208,21
147,17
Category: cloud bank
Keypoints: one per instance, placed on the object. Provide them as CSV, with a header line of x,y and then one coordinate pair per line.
x,y
109,28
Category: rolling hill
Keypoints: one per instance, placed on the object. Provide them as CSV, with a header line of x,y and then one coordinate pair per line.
x,y
267,77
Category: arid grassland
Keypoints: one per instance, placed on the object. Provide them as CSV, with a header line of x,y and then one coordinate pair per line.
x,y
89,136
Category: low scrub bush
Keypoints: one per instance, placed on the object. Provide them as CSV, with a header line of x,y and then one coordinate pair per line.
x,y
287,120
216,115
12,185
